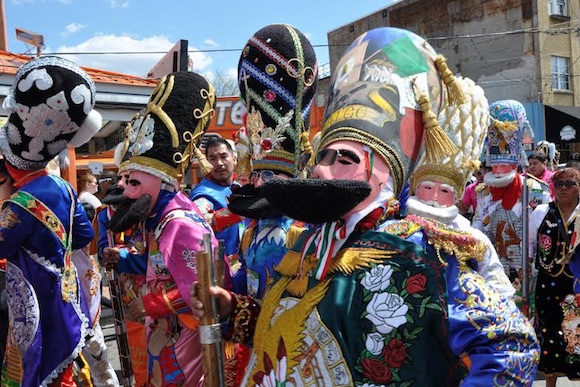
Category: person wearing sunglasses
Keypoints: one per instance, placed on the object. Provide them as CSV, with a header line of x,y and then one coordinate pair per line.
x,y
551,238
359,304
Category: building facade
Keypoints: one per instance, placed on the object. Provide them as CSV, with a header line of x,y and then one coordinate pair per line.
x,y
526,50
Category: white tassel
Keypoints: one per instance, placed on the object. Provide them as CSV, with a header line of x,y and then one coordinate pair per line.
x,y
63,160
10,101
91,125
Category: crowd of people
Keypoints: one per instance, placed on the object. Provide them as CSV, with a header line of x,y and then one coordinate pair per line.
x,y
413,242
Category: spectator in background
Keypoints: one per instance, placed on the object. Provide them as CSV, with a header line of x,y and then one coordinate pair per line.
x,y
551,227
88,187
105,180
537,170
468,202
211,194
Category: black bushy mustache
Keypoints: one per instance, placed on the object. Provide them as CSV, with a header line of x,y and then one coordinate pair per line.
x,y
129,213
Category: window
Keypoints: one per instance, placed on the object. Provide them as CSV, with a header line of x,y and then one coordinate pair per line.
x,y
557,7
560,73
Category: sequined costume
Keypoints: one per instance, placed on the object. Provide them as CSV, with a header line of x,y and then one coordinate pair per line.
x,y
174,238
399,288
555,282
263,246
39,228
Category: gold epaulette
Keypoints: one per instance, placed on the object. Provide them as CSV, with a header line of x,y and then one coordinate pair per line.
x,y
463,245
480,187
536,179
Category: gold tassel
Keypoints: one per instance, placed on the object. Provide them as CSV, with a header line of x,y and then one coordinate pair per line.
x,y
204,166
437,144
229,349
307,146
455,95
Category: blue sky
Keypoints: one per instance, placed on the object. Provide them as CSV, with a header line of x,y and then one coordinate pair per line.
x,y
135,27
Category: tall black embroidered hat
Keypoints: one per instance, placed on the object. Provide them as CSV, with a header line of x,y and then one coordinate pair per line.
x,y
51,105
386,93
277,77
164,142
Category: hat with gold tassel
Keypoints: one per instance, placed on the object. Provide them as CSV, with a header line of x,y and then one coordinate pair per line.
x,y
277,77
386,93
176,117
465,126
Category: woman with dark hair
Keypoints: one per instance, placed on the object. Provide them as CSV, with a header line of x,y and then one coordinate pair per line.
x,y
551,228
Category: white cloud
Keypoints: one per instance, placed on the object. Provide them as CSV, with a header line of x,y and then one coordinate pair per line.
x,y
210,42
73,28
138,56
119,4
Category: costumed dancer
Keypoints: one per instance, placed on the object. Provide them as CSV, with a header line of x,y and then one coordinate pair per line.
x,y
551,236
351,305
466,125
499,212
177,115
129,254
51,106
491,335
277,77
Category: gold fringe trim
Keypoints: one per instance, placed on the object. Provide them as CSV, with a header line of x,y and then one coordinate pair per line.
x,y
350,260
229,349
247,238
437,144
455,95
293,234
290,264
505,126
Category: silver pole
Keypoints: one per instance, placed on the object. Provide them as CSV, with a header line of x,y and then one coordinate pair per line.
x,y
525,248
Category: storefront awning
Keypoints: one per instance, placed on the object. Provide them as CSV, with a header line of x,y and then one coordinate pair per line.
x,y
562,124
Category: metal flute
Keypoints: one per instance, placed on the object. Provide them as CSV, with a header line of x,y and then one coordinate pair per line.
x,y
127,378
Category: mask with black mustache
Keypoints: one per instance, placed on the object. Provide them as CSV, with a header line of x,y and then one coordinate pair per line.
x,y
315,201
129,213
249,201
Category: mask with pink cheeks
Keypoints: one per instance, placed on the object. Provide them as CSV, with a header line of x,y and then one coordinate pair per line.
x,y
142,183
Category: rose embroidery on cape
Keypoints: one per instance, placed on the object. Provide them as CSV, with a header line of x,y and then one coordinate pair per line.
x,y
393,298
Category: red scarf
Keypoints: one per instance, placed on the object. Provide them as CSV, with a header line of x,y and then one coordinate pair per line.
x,y
21,177
510,194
